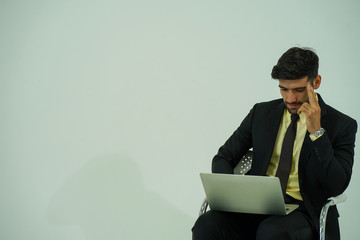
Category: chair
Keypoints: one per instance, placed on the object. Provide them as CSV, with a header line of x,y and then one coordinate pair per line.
x,y
244,166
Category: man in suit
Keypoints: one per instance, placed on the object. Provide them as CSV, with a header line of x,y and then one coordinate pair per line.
x,y
321,157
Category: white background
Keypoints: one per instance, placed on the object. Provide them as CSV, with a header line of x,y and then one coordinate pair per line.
x,y
110,109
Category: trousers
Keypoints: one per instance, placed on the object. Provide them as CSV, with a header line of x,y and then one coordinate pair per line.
x,y
217,225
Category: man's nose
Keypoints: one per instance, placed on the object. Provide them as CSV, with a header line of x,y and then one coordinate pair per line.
x,y
291,97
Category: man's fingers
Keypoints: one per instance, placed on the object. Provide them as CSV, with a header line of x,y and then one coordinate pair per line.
x,y
303,108
311,94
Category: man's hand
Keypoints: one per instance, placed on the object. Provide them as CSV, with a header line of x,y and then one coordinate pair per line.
x,y
312,111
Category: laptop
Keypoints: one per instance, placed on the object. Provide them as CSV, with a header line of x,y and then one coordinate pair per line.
x,y
245,194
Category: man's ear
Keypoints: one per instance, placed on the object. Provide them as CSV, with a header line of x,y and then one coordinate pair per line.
x,y
317,82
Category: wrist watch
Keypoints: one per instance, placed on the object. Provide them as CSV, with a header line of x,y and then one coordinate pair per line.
x,y
318,133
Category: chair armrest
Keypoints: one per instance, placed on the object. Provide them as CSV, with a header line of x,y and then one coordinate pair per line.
x,y
203,207
323,215
338,199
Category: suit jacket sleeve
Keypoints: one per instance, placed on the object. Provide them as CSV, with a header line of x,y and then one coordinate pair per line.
x,y
235,147
333,156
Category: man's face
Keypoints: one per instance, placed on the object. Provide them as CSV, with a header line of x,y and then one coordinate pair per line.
x,y
294,93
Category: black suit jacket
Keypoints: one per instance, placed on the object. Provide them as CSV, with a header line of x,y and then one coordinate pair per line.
x,y
325,165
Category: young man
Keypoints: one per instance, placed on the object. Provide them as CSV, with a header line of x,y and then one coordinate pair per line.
x,y
320,159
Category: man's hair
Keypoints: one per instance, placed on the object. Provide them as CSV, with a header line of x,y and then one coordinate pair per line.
x,y
296,63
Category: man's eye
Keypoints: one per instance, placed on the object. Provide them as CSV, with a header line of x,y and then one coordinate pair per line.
x,y
300,89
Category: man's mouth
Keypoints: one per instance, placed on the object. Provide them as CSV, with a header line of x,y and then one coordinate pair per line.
x,y
293,105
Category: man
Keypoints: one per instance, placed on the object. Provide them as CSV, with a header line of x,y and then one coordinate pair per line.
x,y
321,157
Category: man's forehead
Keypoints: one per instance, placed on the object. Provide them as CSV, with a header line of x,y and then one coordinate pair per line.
x,y
293,84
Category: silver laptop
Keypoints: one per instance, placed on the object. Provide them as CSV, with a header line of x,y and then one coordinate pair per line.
x,y
245,194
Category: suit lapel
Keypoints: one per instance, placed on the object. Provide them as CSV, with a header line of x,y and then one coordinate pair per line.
x,y
272,130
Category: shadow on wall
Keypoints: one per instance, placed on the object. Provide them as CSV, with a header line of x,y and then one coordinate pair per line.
x,y
107,200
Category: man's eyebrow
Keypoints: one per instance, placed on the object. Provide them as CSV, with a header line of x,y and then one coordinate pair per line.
x,y
298,88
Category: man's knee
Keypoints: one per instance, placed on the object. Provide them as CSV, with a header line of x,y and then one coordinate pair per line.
x,y
268,231
205,226
279,228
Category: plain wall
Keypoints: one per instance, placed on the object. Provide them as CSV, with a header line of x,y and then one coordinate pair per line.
x,y
110,109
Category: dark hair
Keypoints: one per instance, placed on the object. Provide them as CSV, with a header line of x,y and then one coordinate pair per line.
x,y
296,63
